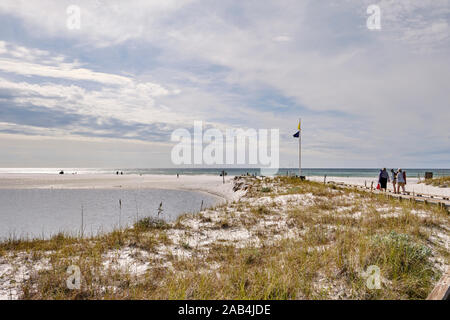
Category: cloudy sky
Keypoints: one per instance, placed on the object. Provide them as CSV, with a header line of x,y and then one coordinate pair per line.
x,y
111,93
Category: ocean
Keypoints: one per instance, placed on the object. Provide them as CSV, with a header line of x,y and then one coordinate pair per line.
x,y
331,172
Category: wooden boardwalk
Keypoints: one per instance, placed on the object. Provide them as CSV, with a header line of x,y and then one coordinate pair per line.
x,y
442,201
442,290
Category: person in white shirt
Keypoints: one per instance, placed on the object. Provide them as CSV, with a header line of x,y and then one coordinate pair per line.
x,y
394,179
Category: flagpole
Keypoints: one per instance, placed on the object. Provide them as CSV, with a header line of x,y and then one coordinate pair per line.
x,y
300,149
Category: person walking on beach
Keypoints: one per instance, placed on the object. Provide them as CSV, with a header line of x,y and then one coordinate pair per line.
x,y
401,177
394,179
383,179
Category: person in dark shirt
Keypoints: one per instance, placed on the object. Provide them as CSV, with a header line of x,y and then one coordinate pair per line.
x,y
383,179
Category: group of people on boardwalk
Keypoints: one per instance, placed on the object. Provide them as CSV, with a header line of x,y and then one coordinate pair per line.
x,y
398,179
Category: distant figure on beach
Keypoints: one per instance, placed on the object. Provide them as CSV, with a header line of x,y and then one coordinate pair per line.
x,y
401,178
394,179
178,175
61,172
117,172
383,179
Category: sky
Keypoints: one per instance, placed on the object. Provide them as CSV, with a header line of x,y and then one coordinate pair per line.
x,y
110,93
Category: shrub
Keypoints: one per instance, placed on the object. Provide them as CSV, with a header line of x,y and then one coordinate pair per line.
x,y
150,223
261,210
403,261
401,250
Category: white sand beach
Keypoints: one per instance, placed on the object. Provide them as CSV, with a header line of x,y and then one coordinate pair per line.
x,y
202,183
412,184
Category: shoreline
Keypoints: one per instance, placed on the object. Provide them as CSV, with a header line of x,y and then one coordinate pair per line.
x,y
210,184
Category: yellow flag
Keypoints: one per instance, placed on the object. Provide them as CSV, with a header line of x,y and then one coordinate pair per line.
x,y
299,125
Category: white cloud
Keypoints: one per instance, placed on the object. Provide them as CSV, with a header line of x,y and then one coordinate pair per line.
x,y
61,71
2,47
103,23
119,97
282,39
391,87
421,25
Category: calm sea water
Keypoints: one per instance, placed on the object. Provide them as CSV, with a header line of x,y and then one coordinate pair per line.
x,y
41,213
373,172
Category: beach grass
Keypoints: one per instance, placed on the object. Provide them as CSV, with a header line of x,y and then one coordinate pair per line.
x,y
285,239
443,182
